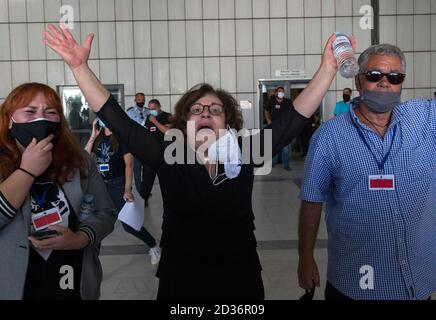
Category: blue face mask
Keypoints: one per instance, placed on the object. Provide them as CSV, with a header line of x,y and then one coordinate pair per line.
x,y
154,113
101,124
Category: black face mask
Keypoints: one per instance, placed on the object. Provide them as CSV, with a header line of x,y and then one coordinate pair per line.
x,y
140,104
39,129
346,97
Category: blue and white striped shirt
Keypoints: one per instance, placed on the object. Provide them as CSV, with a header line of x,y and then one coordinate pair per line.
x,y
393,232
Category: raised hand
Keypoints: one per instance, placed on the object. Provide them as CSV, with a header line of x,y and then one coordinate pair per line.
x,y
63,43
76,56
309,100
328,57
95,130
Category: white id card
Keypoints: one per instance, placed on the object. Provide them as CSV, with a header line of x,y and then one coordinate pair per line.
x,y
103,167
46,218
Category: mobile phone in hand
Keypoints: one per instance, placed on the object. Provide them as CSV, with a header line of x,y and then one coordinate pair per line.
x,y
44,234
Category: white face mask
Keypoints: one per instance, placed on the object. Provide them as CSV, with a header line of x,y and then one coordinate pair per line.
x,y
226,150
280,95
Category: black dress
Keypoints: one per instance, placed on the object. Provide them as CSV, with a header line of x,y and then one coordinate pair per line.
x,y
208,243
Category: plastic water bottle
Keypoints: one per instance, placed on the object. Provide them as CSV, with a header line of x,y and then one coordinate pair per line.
x,y
343,52
87,207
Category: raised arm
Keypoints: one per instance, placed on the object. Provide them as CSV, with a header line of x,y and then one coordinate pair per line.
x,y
129,132
310,98
94,133
290,121
76,56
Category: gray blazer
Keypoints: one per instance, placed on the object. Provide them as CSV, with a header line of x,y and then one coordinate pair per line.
x,y
14,245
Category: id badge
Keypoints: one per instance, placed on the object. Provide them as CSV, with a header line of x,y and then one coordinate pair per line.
x,y
103,167
152,129
277,106
381,182
46,218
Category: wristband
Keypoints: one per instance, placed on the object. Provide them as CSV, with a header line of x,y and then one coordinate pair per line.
x,y
30,174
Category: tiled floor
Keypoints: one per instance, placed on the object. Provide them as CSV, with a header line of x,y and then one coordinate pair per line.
x,y
128,273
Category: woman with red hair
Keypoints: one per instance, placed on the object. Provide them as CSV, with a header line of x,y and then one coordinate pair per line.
x,y
48,250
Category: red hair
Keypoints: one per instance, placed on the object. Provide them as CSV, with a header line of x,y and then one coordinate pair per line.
x,y
67,154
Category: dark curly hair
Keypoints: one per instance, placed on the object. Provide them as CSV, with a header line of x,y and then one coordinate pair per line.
x,y
232,110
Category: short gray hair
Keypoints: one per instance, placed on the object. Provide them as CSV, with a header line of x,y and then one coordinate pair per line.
x,y
384,49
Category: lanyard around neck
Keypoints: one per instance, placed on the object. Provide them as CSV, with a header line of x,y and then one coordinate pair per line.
x,y
40,200
381,164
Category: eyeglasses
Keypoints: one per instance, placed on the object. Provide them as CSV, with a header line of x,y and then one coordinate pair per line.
x,y
376,76
214,109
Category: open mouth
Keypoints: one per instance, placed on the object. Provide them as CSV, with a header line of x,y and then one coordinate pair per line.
x,y
202,127
204,133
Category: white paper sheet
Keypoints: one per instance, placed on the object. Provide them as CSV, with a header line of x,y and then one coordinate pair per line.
x,y
133,212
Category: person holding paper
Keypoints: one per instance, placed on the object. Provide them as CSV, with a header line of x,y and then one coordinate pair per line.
x,y
115,165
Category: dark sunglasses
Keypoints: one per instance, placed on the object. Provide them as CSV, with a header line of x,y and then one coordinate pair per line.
x,y
376,76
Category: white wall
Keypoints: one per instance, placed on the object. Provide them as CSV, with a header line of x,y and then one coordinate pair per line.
x,y
411,25
163,47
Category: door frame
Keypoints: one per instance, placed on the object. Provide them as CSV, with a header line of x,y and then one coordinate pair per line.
x,y
288,83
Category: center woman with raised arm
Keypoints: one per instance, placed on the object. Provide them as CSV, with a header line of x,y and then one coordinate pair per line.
x,y
208,243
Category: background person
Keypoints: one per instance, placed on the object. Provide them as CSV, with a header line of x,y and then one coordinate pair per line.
x,y
115,165
156,124
344,105
139,113
276,105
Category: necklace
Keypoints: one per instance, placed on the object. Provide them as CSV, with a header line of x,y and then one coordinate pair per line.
x,y
374,125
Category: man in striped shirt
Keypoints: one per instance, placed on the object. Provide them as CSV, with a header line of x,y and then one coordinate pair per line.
x,y
378,180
